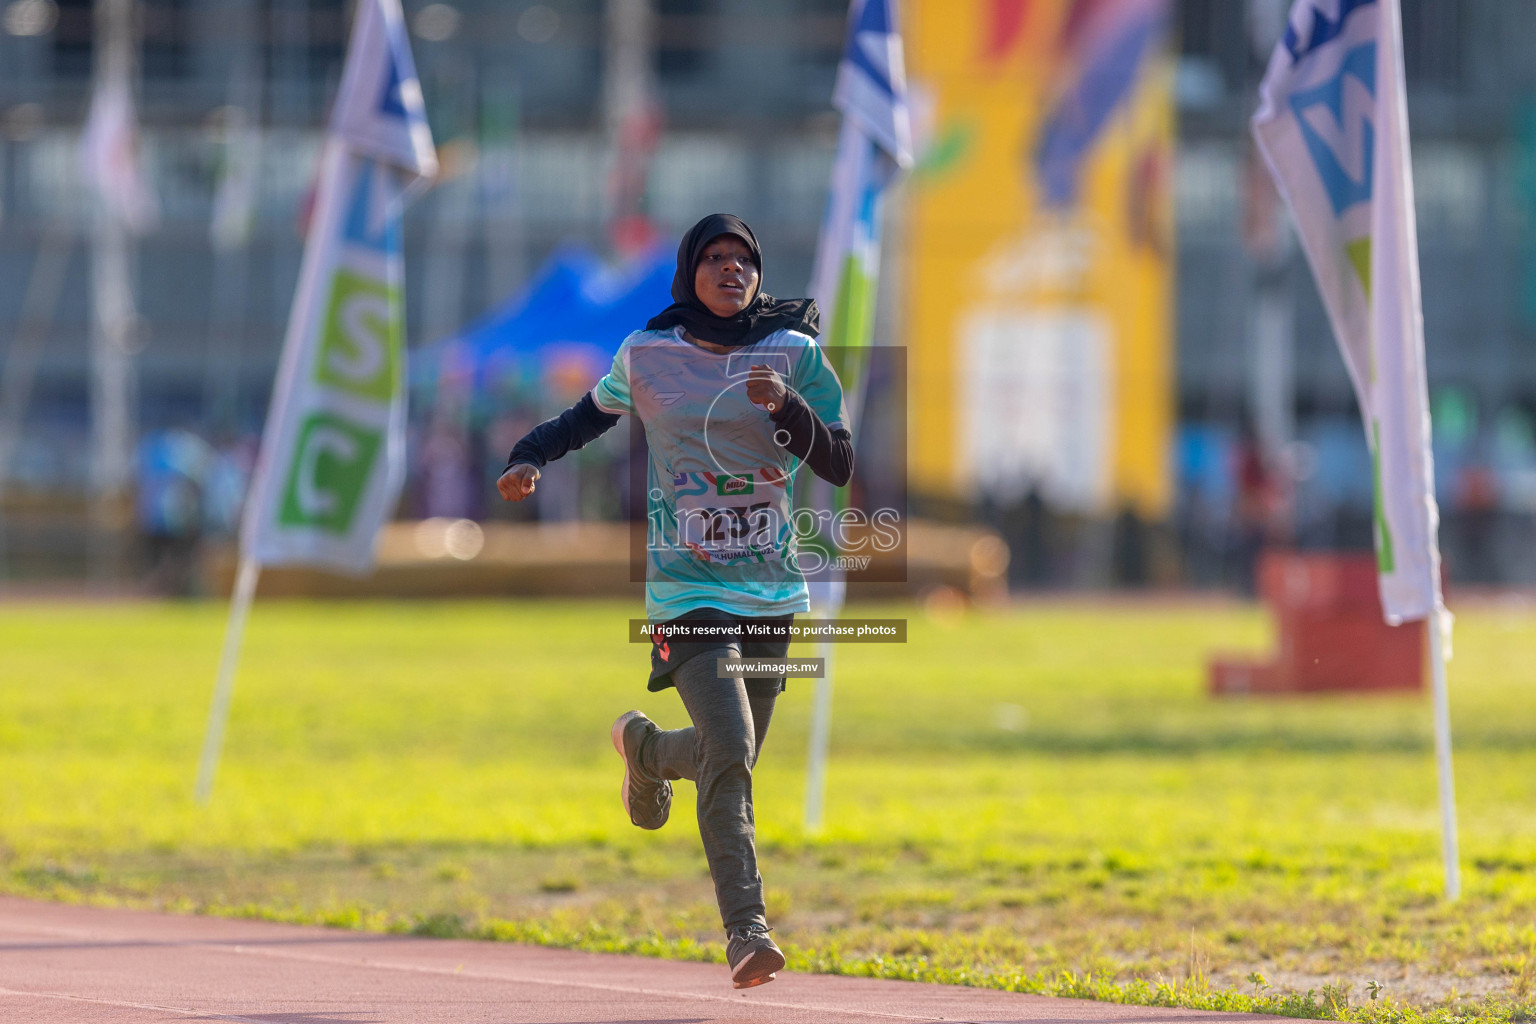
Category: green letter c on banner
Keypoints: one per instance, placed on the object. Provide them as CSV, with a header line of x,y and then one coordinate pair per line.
x,y
332,462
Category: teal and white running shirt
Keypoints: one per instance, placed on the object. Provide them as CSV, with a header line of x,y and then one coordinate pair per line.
x,y
720,490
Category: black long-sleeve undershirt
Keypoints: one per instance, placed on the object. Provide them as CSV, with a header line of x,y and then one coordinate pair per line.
x,y
573,429
828,452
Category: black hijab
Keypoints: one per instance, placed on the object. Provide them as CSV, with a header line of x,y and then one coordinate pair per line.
x,y
760,318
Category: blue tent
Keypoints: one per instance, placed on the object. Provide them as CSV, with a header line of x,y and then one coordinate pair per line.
x,y
568,321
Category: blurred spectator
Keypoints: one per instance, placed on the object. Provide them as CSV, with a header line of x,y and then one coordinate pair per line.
x,y
1023,526
229,474
1256,500
1205,497
1130,549
1476,505
172,475
446,471
1032,539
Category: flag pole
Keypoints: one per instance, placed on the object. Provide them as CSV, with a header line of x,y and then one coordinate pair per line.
x,y
218,713
871,94
1438,655
1369,283
821,742
337,395
854,150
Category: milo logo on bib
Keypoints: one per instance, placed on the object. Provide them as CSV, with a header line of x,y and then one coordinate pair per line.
x,y
727,484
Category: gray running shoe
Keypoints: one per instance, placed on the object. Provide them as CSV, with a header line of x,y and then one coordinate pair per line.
x,y
647,800
753,957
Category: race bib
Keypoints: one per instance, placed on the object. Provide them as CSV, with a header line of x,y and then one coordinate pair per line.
x,y
728,518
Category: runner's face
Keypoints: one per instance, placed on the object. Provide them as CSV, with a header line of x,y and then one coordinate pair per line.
x,y
727,277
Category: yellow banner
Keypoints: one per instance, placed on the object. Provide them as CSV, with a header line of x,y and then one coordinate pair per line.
x,y
1040,252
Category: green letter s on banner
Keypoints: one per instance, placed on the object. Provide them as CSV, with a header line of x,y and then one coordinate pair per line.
x,y
360,346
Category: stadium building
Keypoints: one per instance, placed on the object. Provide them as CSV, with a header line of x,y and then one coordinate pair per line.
x,y
546,113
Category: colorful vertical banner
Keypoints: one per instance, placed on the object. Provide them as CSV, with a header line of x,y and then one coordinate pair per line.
x,y
333,453
874,145
1333,127
875,142
1040,252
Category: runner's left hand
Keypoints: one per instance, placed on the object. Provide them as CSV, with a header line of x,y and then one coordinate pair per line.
x,y
766,388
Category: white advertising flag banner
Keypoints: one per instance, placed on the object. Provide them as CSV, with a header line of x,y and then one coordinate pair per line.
x,y
1333,127
876,139
109,155
874,143
332,458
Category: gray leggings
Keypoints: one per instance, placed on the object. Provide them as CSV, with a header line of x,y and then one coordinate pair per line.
x,y
718,752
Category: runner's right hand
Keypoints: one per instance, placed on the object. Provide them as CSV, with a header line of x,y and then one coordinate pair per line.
x,y
517,483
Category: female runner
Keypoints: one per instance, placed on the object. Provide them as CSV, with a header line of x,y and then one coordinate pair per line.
x,y
735,396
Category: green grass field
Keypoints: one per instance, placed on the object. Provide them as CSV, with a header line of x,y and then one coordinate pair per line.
x,y
1040,798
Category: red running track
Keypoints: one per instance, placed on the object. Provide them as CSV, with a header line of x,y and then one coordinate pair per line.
x,y
61,963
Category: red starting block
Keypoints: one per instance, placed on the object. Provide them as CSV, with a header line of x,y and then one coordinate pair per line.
x,y
1332,636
